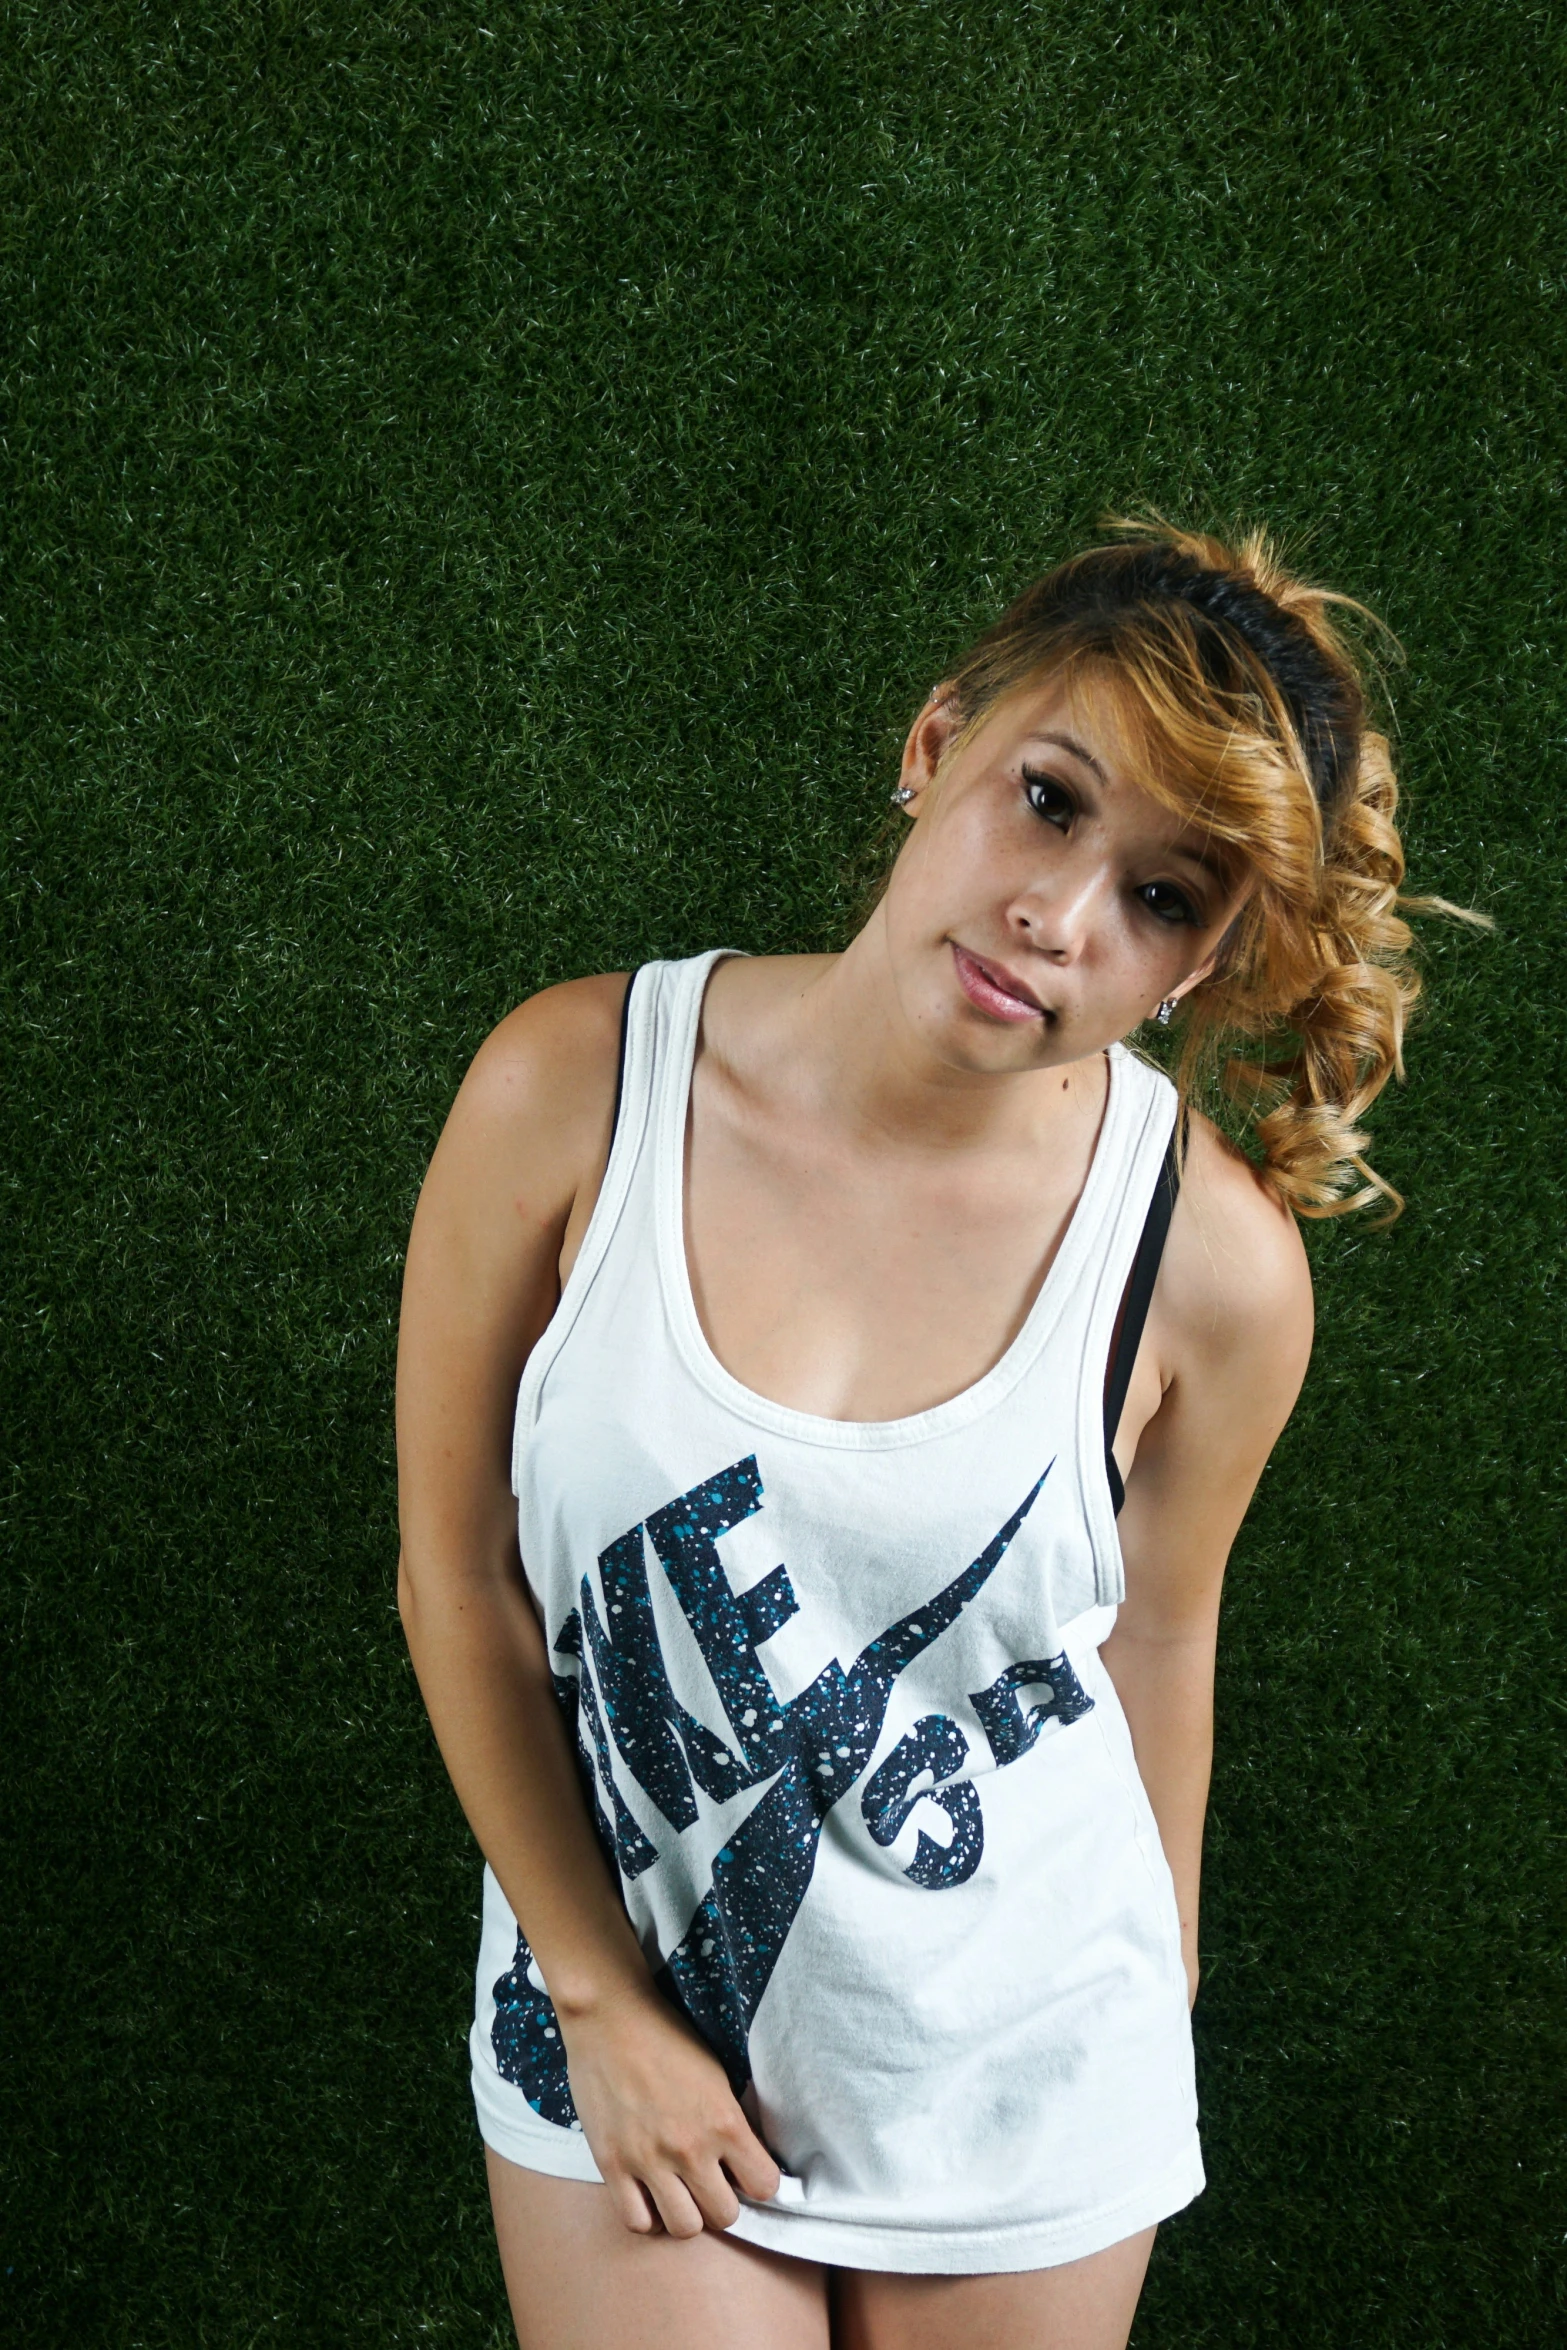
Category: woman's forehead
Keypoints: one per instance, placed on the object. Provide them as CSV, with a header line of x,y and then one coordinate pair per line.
x,y
1080,715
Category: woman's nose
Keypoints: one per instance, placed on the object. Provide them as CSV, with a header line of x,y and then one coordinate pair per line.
x,y
1058,915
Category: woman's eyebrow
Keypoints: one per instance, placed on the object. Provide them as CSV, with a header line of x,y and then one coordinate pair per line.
x,y
1211,863
1069,742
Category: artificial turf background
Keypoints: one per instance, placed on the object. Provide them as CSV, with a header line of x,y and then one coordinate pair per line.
x,y
486,487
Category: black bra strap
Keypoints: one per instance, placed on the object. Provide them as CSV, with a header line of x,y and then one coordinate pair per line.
x,y
1134,1311
620,1065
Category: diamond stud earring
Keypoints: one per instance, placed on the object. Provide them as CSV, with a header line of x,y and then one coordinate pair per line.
x,y
902,796
1162,1015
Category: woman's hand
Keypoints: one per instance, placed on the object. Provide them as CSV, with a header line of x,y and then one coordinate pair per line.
x,y
660,2118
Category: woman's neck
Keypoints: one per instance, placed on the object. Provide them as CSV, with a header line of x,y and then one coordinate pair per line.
x,y
830,1035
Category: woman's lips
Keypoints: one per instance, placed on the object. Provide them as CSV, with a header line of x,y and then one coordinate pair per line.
x,y
986,988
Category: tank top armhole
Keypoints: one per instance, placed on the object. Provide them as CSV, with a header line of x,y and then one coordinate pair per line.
x,y
633,1088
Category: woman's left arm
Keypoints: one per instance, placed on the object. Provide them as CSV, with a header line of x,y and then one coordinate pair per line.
x,y
1227,1342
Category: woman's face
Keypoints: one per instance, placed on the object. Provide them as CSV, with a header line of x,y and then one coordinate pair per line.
x,y
1044,903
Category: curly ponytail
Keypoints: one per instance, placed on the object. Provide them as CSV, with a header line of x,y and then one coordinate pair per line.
x,y
1246,711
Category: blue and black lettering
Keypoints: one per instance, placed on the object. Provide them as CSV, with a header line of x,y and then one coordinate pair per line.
x,y
812,1751
934,1750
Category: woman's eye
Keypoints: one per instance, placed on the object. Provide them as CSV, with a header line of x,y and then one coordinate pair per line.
x,y
1048,798
1170,904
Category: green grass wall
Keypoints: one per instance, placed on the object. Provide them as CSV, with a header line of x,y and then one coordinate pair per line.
x,y
485,487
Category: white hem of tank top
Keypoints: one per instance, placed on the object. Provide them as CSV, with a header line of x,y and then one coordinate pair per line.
x,y
911,2250
666,1137
998,2251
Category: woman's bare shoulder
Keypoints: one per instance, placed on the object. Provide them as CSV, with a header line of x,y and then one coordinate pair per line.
x,y
567,1036
539,1098
1236,1282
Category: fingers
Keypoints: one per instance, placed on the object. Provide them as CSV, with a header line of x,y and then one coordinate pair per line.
x,y
633,2206
671,2141
691,2188
676,2206
668,2203
701,2193
712,2190
710,2178
749,2164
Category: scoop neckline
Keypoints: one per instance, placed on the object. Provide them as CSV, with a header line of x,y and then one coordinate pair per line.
x,y
956,1411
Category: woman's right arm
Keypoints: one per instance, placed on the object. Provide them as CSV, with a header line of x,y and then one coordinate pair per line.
x,y
510,1188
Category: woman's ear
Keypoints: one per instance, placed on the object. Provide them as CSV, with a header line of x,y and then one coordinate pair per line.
x,y
927,740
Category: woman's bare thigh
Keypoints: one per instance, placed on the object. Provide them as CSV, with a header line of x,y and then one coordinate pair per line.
x,y
1084,2305
579,2280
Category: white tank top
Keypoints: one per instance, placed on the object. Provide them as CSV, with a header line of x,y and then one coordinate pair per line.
x,y
837,1695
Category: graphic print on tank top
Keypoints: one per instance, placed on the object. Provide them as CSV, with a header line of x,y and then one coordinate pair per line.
x,y
802,1757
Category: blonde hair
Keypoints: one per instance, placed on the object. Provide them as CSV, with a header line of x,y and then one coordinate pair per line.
x,y
1244,708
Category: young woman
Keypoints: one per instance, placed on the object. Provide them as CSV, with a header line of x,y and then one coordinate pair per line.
x,y
878,1379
